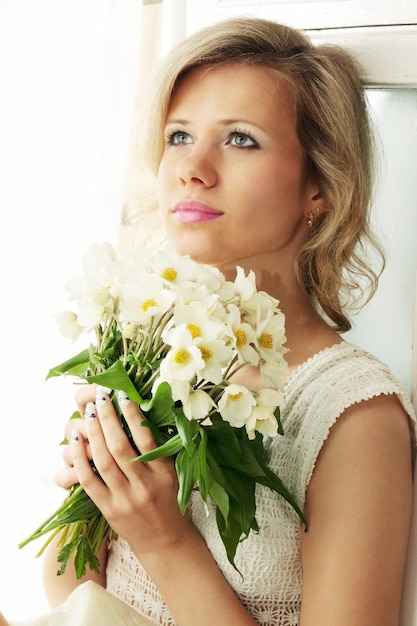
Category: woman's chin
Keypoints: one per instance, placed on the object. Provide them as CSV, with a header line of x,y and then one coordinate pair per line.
x,y
198,253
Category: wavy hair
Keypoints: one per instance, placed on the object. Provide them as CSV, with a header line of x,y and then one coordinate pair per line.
x,y
334,129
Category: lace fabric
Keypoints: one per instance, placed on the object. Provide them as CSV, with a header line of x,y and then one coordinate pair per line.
x,y
317,393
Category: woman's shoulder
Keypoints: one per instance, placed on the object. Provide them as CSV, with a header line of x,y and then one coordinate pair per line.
x,y
338,377
339,380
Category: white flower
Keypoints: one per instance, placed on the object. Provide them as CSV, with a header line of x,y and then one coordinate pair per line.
x,y
195,316
262,418
176,272
184,360
198,405
97,291
91,314
236,405
243,336
201,295
270,337
244,286
68,325
211,277
75,287
101,272
272,371
180,390
216,355
257,304
134,266
100,255
139,303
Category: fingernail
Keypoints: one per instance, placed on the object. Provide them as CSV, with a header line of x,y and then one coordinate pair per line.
x,y
123,398
102,393
75,435
90,412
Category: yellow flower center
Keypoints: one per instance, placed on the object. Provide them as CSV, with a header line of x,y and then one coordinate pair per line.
x,y
194,330
266,341
206,354
181,356
241,338
148,304
169,274
234,397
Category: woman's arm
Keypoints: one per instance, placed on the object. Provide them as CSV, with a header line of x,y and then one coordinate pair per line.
x,y
358,511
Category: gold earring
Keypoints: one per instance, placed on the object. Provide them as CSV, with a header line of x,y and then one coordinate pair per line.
x,y
312,216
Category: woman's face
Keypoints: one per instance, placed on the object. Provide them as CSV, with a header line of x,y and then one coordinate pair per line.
x,y
232,181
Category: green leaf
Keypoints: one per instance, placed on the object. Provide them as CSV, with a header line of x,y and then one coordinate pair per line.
x,y
241,490
161,406
85,556
277,415
231,447
230,534
159,436
76,366
249,463
272,481
169,448
116,377
224,439
187,430
64,556
205,477
186,466
220,498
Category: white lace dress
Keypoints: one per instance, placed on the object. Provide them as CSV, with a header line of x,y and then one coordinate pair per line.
x,y
316,394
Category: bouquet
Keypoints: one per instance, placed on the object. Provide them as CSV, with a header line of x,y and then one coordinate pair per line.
x,y
172,334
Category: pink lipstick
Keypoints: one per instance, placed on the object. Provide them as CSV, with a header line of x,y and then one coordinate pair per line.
x,y
193,211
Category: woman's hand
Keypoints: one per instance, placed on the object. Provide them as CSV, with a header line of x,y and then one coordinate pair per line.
x,y
139,500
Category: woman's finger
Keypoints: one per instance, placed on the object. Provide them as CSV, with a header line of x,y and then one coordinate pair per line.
x,y
66,478
141,435
75,423
86,475
110,447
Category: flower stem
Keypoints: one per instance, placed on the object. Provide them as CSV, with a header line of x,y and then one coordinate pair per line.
x,y
43,528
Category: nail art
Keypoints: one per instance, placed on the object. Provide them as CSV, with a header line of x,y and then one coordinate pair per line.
x,y
90,412
101,395
75,435
123,398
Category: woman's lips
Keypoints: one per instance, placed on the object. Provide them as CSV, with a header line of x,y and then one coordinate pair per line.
x,y
192,211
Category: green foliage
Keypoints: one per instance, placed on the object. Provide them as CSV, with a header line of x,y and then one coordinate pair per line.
x,y
218,460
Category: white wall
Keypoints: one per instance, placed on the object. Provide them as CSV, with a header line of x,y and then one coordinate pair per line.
x,y
385,327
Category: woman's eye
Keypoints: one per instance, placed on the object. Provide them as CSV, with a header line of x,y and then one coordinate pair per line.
x,y
242,140
178,137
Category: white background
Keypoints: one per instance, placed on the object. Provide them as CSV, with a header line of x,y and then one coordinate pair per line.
x,y
61,170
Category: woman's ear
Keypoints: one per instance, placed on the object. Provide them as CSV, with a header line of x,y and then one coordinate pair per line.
x,y
316,206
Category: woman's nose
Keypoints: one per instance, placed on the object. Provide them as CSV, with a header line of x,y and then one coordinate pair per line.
x,y
198,167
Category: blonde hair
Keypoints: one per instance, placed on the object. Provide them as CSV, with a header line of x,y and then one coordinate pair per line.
x,y
334,130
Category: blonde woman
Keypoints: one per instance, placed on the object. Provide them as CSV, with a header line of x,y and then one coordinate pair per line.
x,y
260,152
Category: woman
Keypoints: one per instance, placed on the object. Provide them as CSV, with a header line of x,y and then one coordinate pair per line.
x,y
261,147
